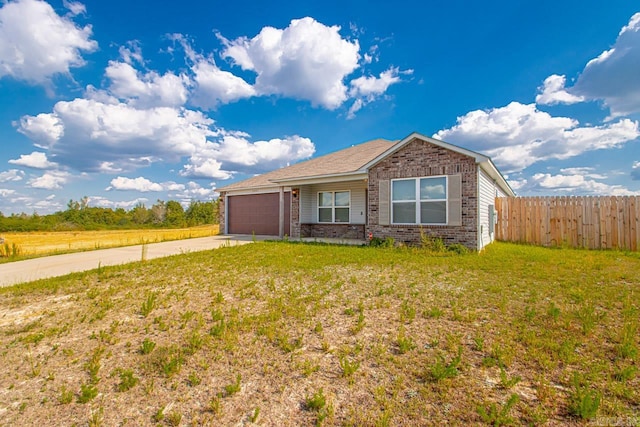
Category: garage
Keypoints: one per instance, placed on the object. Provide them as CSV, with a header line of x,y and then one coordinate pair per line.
x,y
258,214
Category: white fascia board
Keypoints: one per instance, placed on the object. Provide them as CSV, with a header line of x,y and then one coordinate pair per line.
x,y
324,179
497,177
415,135
263,190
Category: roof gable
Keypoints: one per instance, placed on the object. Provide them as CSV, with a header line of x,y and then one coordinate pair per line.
x,y
400,144
483,161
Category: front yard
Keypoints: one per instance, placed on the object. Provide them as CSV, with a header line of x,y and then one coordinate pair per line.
x,y
277,333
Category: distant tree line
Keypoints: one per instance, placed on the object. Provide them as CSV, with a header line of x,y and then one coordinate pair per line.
x,y
80,216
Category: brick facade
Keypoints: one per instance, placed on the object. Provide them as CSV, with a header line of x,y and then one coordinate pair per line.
x,y
335,231
295,212
419,158
221,212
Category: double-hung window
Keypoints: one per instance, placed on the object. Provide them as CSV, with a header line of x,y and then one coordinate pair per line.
x,y
334,206
419,201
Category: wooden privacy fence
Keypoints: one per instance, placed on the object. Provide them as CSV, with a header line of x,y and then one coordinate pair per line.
x,y
605,222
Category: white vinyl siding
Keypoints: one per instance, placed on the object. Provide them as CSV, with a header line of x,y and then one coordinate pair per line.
x,y
487,193
309,200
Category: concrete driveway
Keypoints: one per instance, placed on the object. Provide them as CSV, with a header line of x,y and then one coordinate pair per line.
x,y
58,265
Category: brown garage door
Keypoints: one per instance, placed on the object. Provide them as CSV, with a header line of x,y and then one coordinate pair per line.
x,y
258,214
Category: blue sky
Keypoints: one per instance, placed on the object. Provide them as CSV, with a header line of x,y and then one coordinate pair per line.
x,y
128,102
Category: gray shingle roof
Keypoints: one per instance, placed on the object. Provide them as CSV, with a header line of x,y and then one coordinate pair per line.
x,y
345,161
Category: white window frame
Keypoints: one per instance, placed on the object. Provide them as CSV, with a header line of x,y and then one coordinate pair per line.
x,y
418,201
333,207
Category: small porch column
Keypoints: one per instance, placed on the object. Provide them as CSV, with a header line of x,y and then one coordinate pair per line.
x,y
281,213
226,213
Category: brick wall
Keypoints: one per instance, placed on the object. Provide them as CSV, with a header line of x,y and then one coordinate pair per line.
x,y
336,231
419,159
221,212
295,212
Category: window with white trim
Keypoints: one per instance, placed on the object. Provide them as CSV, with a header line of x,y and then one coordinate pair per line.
x,y
419,200
334,206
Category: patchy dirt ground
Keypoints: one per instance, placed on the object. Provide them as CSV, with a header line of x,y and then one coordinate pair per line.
x,y
287,334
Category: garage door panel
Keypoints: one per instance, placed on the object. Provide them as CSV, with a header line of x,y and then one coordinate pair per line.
x,y
256,214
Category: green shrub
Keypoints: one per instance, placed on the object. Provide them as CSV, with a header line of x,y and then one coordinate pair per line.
x,y
87,393
233,388
149,304
431,243
317,401
127,380
66,396
583,402
348,367
388,242
458,248
498,415
441,369
147,346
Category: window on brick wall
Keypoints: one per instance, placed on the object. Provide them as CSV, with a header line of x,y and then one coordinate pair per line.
x,y
419,200
334,206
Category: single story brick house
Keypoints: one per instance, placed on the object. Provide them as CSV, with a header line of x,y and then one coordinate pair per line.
x,y
379,188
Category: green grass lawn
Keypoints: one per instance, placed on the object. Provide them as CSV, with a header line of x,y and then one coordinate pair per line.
x,y
300,334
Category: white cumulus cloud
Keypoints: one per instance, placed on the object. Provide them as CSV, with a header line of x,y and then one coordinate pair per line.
x,y
366,86
75,8
136,184
143,185
518,135
205,166
307,60
35,160
53,180
37,43
612,77
265,155
146,90
88,135
235,153
366,89
211,85
215,86
93,136
194,191
103,202
586,171
11,175
553,92
575,184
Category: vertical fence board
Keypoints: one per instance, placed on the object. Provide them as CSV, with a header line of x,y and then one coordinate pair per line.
x,y
634,235
606,222
579,223
602,216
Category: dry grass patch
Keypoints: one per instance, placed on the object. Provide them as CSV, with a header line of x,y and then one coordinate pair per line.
x,y
31,244
293,334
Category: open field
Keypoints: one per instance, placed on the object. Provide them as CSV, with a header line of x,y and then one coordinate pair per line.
x,y
30,244
294,334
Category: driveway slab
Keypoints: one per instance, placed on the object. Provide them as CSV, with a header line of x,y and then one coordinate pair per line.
x,y
12,273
